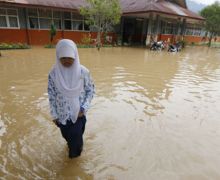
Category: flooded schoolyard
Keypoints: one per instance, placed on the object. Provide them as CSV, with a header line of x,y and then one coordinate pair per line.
x,y
155,116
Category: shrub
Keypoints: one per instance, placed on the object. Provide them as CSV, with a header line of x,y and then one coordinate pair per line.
x,y
4,46
49,46
86,40
85,46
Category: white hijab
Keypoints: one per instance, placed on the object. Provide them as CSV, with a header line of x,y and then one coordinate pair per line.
x,y
68,79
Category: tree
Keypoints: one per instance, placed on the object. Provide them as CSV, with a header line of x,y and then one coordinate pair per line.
x,y
101,15
212,15
53,32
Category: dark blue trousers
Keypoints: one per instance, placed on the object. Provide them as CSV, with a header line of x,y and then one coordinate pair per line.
x,y
73,134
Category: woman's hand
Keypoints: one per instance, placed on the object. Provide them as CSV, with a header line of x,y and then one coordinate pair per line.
x,y
81,114
55,121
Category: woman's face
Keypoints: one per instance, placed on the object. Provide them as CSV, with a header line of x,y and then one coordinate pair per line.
x,y
66,61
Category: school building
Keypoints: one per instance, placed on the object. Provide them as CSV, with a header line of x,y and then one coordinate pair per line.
x,y
28,21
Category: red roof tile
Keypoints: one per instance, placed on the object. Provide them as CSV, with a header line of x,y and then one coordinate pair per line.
x,y
66,4
128,6
162,6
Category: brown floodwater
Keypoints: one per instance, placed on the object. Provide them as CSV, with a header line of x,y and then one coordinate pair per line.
x,y
155,116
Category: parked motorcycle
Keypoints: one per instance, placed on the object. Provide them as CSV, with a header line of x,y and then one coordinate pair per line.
x,y
175,47
160,45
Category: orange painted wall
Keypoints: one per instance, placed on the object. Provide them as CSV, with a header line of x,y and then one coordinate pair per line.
x,y
217,39
41,37
195,39
13,35
38,37
165,37
189,39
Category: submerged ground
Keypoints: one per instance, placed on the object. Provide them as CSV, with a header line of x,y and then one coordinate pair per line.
x,y
155,116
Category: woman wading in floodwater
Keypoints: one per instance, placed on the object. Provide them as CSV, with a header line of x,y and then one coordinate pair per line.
x,y
70,91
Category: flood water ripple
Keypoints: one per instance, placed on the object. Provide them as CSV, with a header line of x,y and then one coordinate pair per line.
x,y
155,116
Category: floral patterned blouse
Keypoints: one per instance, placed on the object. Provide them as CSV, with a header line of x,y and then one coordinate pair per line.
x,y
59,106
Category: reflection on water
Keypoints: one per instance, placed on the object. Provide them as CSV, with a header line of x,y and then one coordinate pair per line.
x,y
155,116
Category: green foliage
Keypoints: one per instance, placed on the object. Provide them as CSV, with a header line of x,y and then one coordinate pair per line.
x,y
216,44
212,15
101,15
53,32
85,46
86,40
4,46
49,46
107,45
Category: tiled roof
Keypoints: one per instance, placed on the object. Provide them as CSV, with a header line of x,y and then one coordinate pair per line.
x,y
127,6
162,6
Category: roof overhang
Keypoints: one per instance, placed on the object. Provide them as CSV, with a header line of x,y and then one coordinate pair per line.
x,y
176,8
54,4
163,14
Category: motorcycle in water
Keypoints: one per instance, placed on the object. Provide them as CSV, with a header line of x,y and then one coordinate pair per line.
x,y
175,47
157,46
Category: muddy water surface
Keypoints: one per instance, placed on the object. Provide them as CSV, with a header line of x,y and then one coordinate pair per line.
x,y
155,116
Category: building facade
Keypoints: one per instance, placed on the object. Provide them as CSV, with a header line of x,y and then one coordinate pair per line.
x,y
141,21
152,20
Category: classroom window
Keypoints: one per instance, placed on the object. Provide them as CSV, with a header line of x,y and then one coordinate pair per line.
x,y
45,23
86,27
57,19
193,30
3,12
197,32
67,24
67,21
3,22
77,25
13,21
9,18
56,14
73,21
33,18
77,22
32,12
43,18
33,22
57,23
45,13
67,15
12,12
168,28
